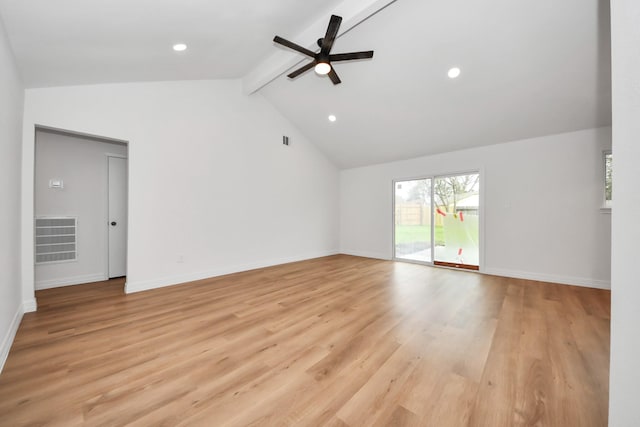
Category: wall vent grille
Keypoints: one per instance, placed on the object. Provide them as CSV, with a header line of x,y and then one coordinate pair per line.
x,y
56,239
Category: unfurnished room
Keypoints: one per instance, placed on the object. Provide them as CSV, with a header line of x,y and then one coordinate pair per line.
x,y
321,213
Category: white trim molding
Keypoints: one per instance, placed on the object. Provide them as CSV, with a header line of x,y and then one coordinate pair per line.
x,y
30,305
7,340
68,281
367,254
551,278
145,285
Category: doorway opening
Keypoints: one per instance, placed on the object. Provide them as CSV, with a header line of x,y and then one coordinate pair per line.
x,y
436,220
80,180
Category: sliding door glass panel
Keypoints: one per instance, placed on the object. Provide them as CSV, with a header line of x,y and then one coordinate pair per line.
x,y
412,228
456,210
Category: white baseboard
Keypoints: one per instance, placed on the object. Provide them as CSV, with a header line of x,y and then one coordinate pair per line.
x,y
564,280
366,254
68,281
29,306
7,340
145,285
552,278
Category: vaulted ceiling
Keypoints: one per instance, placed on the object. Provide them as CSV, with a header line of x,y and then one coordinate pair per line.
x,y
528,68
71,42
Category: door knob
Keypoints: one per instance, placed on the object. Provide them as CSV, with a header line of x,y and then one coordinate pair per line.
x,y
113,223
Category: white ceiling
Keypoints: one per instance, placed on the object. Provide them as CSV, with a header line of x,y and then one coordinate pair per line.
x,y
529,67
70,42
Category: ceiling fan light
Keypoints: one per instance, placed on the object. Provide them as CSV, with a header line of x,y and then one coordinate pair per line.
x,y
322,68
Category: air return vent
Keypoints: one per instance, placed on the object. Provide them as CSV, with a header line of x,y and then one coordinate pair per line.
x,y
55,239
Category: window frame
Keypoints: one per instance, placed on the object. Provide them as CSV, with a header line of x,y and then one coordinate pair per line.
x,y
606,204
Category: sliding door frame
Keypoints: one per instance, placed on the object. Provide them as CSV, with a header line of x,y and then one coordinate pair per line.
x,y
433,177
393,220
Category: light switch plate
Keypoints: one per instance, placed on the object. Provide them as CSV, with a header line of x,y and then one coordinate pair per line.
x,y
56,183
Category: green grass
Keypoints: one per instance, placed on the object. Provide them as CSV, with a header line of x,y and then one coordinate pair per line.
x,y
456,234
418,233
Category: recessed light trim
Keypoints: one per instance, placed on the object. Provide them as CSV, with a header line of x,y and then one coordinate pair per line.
x,y
332,118
453,72
179,47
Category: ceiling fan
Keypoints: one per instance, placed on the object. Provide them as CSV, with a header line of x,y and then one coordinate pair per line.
x,y
322,60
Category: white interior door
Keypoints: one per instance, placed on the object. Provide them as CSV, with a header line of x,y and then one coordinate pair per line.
x,y
117,217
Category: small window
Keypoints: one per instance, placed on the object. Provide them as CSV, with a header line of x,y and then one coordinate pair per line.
x,y
608,179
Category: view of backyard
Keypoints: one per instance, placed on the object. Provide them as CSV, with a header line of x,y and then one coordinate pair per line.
x,y
455,220
418,233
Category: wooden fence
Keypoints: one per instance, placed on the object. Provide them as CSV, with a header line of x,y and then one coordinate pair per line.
x,y
412,214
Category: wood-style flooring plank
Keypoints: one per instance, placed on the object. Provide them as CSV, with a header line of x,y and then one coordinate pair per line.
x,y
335,341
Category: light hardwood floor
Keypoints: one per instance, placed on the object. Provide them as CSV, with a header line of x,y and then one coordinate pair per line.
x,y
336,341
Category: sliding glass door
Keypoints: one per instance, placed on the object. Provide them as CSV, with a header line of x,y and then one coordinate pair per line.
x,y
457,205
436,220
412,231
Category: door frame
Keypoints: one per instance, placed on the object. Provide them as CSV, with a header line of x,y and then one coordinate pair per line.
x,y
481,222
394,257
106,237
27,201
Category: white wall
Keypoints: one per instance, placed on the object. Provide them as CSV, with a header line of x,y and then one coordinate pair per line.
x,y
624,409
11,100
541,199
209,178
82,165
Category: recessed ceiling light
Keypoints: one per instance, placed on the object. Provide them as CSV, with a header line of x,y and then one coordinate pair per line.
x,y
453,72
179,47
332,118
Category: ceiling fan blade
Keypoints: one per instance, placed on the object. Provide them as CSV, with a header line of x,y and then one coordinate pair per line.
x,y
301,70
296,47
352,55
334,76
332,32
